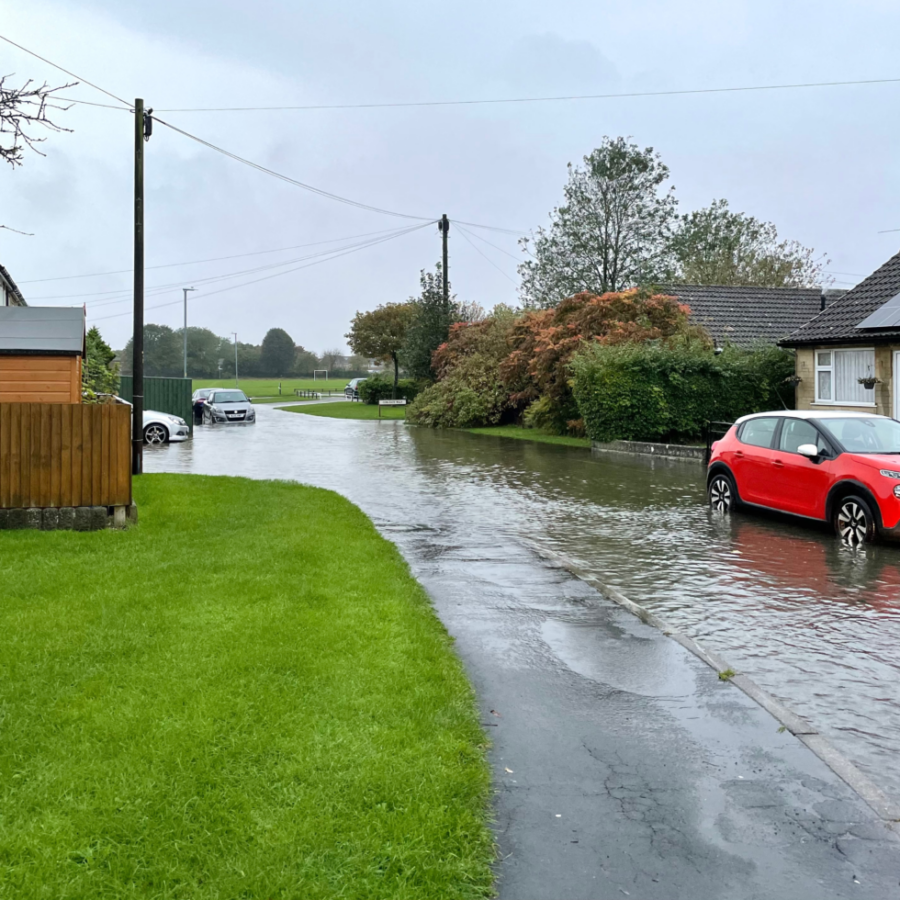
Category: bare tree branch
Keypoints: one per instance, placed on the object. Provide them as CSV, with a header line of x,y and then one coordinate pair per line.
x,y
22,110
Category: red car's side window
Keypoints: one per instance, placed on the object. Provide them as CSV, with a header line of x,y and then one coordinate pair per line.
x,y
758,432
796,432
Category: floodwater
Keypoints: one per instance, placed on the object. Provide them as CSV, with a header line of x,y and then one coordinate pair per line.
x,y
815,624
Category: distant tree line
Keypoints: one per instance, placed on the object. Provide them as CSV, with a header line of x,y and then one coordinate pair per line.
x,y
211,356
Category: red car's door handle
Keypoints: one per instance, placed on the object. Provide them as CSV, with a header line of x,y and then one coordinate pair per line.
x,y
778,462
739,454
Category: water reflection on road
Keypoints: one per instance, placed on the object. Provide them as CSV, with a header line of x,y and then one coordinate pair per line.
x,y
815,624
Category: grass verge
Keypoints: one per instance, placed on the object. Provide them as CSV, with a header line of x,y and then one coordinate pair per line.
x,y
517,432
347,410
215,704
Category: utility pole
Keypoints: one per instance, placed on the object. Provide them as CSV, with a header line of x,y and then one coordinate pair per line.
x,y
185,327
235,359
444,228
143,127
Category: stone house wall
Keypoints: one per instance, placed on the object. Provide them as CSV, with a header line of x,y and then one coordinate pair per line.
x,y
882,394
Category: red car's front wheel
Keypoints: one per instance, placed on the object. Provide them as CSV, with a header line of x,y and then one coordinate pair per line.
x,y
854,521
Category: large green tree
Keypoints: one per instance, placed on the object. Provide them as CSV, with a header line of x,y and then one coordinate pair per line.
x,y
381,333
163,352
611,232
718,246
430,326
99,374
305,362
277,353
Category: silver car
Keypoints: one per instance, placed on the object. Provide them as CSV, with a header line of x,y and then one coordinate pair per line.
x,y
228,405
161,428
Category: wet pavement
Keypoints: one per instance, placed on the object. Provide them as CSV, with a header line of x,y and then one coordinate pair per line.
x,y
624,766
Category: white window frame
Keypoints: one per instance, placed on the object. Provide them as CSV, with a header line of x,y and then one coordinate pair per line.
x,y
833,350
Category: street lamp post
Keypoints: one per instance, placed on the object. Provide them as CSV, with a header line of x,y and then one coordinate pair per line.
x,y
235,359
185,327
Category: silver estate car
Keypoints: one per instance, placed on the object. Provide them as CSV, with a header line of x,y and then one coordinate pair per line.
x,y
228,405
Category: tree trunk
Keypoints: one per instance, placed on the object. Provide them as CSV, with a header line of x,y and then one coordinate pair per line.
x,y
396,375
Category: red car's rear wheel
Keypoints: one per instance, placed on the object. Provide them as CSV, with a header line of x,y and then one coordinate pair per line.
x,y
854,521
722,493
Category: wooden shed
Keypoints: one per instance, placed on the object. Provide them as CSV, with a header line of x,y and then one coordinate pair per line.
x,y
41,353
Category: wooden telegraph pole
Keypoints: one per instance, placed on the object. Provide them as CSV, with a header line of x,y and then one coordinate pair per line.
x,y
444,228
143,128
137,399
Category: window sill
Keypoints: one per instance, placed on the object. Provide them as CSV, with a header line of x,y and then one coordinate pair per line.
x,y
834,403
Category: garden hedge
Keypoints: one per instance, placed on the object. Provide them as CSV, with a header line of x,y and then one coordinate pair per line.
x,y
651,391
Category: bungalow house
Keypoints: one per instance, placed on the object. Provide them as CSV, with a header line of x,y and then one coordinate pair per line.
x,y
41,353
750,316
854,341
10,295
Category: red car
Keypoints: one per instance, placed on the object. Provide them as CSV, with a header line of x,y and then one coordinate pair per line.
x,y
838,467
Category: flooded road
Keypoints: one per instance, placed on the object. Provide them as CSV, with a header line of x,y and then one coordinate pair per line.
x,y
814,624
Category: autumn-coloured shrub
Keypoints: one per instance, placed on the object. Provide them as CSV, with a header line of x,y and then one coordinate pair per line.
x,y
469,391
543,344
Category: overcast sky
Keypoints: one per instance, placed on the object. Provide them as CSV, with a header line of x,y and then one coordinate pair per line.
x,y
816,162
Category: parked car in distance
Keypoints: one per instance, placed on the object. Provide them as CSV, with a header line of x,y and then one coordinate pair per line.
x,y
159,427
351,392
833,466
198,401
228,405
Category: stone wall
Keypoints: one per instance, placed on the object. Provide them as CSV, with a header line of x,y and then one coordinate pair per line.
x,y
646,448
69,518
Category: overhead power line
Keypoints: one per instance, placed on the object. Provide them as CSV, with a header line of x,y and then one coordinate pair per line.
x,y
122,295
465,233
96,87
293,181
335,255
564,98
192,262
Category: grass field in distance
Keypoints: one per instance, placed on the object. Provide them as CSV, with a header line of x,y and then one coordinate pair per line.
x,y
263,388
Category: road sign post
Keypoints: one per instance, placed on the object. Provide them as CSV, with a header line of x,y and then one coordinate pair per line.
x,y
391,403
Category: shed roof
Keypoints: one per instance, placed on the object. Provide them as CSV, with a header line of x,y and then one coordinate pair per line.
x,y
746,315
42,329
837,323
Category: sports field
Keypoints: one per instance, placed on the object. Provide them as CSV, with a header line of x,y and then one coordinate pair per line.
x,y
267,388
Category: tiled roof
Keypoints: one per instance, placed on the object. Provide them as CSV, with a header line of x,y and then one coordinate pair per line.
x,y
745,316
837,323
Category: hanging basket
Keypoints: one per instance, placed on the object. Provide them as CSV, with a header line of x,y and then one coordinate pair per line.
x,y
869,383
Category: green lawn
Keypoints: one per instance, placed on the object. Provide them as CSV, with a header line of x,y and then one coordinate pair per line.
x,y
218,704
345,410
531,434
261,388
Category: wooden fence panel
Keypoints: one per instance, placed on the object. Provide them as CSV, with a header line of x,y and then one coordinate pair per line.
x,y
57,455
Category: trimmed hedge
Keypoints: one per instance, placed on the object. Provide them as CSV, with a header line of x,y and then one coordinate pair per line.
x,y
378,387
648,392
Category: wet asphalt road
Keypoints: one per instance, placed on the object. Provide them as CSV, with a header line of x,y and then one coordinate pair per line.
x,y
623,765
